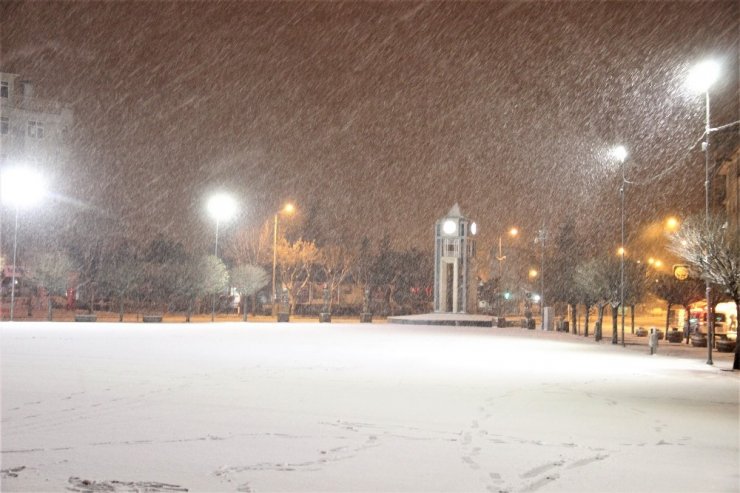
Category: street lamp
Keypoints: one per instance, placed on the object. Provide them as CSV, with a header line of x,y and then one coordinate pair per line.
x,y
541,238
700,79
620,152
501,257
671,224
287,209
221,207
20,187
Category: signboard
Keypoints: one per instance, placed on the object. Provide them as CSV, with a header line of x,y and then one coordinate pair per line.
x,y
681,272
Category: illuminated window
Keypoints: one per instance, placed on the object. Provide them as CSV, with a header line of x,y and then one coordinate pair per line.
x,y
35,129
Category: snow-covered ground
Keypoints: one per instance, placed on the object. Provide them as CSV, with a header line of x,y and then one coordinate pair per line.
x,y
340,407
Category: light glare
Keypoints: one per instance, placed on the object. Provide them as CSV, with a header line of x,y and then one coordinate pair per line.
x,y
21,187
703,75
620,152
672,224
221,207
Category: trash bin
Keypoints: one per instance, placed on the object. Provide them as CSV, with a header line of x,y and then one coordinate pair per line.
x,y
653,340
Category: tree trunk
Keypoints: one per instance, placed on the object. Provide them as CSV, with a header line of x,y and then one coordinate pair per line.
x,y
574,318
120,309
615,328
244,308
189,311
254,304
687,323
632,318
92,301
585,323
736,361
30,303
49,303
598,333
668,317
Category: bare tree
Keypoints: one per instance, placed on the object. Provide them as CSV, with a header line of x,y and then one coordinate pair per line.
x,y
295,262
586,280
251,246
51,271
676,292
121,275
715,253
336,264
636,284
598,279
248,279
202,276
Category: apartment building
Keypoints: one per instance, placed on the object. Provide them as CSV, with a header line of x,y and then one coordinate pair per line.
x,y
730,169
33,131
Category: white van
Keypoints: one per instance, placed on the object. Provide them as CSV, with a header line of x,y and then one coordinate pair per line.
x,y
723,316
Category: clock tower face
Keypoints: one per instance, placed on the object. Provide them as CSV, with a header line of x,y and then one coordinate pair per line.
x,y
449,227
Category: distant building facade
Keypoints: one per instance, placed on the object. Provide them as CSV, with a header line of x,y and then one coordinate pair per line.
x,y
33,132
730,169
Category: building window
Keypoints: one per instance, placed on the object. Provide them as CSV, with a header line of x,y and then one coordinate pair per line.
x,y
4,90
36,129
4,125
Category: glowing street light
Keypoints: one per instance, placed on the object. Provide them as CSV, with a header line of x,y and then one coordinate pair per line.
x,y
513,232
701,78
221,207
532,273
288,209
20,188
671,224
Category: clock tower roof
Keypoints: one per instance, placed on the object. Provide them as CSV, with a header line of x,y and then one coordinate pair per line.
x,y
455,211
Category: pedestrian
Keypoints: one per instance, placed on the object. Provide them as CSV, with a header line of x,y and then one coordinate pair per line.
x,y
687,330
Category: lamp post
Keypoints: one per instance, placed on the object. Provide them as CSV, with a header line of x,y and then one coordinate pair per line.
x,y
20,187
501,257
620,152
701,79
287,209
541,237
221,207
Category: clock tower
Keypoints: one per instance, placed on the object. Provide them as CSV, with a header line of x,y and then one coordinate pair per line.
x,y
455,288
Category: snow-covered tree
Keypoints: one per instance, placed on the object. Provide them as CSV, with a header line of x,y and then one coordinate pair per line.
x,y
676,292
248,279
199,277
336,263
714,253
121,275
51,271
295,261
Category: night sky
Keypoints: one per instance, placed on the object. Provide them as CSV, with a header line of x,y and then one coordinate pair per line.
x,y
379,115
